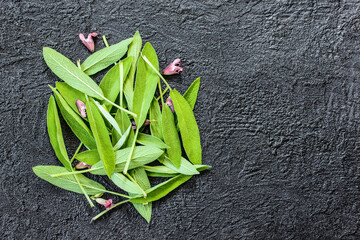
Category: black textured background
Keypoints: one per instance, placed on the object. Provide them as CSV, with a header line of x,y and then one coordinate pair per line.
x,y
278,111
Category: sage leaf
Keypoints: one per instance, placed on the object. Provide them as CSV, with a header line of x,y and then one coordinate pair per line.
x,y
71,95
156,128
185,168
105,57
188,127
160,169
55,134
161,190
171,136
124,123
70,73
124,183
108,117
122,140
75,122
134,50
149,140
89,157
145,85
191,93
110,84
102,139
142,179
68,182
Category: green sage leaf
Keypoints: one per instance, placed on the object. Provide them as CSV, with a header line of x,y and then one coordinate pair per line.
x,y
89,157
156,127
171,136
102,139
185,168
124,123
191,94
188,127
103,58
124,183
134,50
145,85
70,73
149,140
75,122
55,134
161,190
68,182
71,95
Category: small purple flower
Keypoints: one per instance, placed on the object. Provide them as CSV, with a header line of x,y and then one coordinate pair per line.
x,y
106,203
133,124
169,102
88,42
173,68
82,165
81,107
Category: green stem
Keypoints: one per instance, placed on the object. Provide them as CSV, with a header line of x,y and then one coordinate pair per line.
x,y
105,211
75,172
115,193
163,93
131,151
121,108
156,71
133,180
121,69
105,41
78,64
77,151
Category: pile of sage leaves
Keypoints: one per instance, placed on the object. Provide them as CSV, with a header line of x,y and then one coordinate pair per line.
x,y
130,94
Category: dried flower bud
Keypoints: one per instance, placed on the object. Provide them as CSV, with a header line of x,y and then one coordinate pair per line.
x,y
170,103
82,165
147,122
81,107
173,68
88,42
106,203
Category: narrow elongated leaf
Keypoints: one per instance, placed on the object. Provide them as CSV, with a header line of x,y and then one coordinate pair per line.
x,y
70,73
188,127
71,95
108,117
68,182
161,190
110,84
124,183
156,128
102,139
160,169
75,122
124,123
142,155
171,136
123,139
191,94
105,57
134,50
142,179
55,134
185,168
89,157
149,140
145,85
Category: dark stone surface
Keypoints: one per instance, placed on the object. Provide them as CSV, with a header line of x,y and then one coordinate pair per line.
x,y
278,114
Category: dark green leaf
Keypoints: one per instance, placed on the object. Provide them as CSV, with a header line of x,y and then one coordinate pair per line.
x,y
191,94
171,136
188,127
105,57
161,190
68,182
134,50
75,122
55,134
70,73
102,139
145,85
149,140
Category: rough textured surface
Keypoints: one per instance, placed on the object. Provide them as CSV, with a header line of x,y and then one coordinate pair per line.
x,y
279,115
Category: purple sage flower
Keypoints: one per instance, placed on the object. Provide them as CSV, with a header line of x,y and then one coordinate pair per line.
x,y
169,102
82,165
81,107
173,68
106,203
88,42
